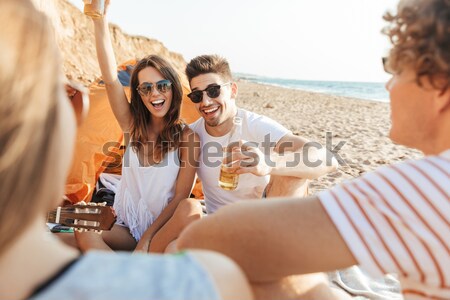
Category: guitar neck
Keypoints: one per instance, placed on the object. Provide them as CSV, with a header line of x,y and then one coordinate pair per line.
x,y
83,216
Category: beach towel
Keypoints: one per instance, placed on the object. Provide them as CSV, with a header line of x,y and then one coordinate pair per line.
x,y
358,284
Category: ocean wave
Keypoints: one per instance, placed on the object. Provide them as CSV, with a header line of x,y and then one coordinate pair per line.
x,y
361,90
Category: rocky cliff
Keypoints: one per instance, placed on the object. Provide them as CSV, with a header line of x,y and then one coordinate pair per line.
x,y
76,40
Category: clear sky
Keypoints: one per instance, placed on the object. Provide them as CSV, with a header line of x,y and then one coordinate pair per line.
x,y
299,39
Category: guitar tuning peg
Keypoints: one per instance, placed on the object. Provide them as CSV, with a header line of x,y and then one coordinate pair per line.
x,y
98,231
81,203
102,204
92,204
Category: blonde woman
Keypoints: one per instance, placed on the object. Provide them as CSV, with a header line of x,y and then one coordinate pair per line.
x,y
36,135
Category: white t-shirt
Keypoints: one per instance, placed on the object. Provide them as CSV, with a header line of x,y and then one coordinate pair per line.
x,y
255,128
397,220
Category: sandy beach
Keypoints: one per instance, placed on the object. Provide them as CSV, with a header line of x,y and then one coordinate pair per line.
x,y
363,125
360,128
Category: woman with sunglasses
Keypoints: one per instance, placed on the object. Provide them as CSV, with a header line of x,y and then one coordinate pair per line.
x,y
160,161
37,134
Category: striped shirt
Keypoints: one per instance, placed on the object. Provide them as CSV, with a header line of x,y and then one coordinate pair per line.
x,y
397,220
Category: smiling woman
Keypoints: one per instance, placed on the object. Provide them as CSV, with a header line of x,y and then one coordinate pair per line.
x,y
150,203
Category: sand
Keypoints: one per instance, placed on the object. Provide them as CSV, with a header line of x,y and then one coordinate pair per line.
x,y
361,124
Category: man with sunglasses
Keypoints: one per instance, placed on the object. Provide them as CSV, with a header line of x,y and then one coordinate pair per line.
x,y
393,220
269,150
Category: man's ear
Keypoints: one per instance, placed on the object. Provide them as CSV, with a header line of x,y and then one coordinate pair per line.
x,y
442,100
234,90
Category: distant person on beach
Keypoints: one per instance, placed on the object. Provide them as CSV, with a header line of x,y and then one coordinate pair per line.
x,y
393,220
160,161
37,135
269,150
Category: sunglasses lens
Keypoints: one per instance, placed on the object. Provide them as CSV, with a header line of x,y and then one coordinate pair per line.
x,y
163,86
196,96
145,88
213,91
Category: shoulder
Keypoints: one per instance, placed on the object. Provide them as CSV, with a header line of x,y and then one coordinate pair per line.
x,y
412,182
197,125
189,135
189,138
259,127
256,119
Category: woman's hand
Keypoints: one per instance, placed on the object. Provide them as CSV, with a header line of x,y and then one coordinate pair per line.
x,y
106,7
105,10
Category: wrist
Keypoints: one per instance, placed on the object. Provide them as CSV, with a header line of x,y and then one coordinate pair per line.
x,y
149,234
100,22
271,162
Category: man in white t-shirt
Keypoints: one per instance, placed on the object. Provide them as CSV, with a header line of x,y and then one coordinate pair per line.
x,y
270,151
393,220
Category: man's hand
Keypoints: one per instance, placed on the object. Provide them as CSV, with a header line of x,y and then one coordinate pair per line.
x,y
246,159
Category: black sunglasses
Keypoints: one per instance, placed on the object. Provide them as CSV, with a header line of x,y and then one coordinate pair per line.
x,y
213,91
146,88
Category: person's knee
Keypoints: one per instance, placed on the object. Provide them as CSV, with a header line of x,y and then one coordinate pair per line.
x,y
287,186
188,210
229,279
68,239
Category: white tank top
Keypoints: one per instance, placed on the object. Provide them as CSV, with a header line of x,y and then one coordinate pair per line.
x,y
144,192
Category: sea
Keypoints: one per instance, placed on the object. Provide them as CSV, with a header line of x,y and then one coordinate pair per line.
x,y
361,90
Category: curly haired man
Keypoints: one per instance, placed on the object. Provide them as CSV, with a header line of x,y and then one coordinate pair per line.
x,y
394,220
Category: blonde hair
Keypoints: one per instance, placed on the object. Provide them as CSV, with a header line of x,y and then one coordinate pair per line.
x,y
30,86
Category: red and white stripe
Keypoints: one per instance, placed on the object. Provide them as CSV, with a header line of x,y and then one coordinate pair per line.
x,y
397,220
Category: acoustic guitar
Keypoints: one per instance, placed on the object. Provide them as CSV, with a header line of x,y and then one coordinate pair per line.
x,y
84,217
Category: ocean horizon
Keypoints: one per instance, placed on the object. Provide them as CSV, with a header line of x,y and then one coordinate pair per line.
x,y
374,91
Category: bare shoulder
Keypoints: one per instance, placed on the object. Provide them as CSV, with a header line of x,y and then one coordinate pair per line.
x,y
188,135
229,279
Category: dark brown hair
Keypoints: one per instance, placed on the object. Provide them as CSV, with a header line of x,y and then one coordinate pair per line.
x,y
208,64
169,138
420,34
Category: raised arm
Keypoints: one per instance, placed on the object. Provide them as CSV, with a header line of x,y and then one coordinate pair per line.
x,y
108,68
299,157
293,156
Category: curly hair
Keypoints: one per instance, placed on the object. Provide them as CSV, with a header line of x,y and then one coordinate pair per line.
x,y
169,138
420,35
